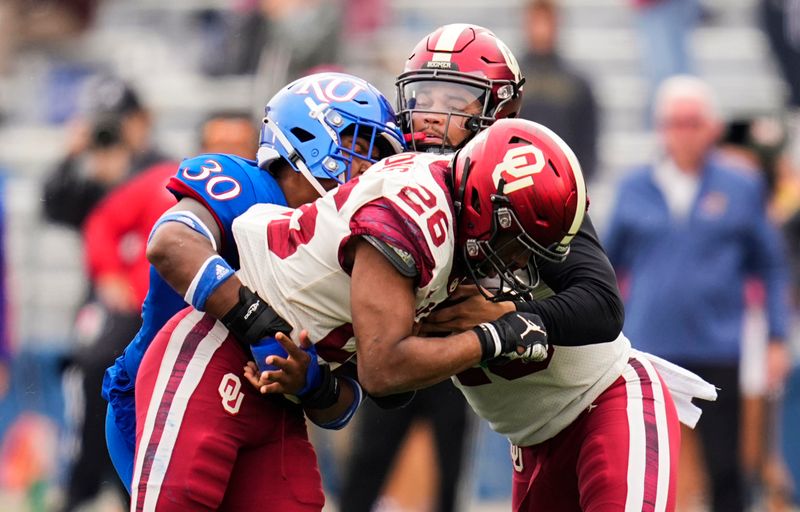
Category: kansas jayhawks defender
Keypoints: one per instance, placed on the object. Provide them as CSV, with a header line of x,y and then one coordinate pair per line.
x,y
317,132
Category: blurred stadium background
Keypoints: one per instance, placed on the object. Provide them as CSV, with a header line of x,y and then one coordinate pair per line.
x,y
175,54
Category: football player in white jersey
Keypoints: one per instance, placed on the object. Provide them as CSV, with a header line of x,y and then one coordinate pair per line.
x,y
457,80
592,426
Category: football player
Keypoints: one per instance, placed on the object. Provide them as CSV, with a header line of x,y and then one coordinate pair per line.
x,y
457,81
592,425
564,458
401,230
317,132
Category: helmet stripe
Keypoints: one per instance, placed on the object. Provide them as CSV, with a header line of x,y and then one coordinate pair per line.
x,y
580,211
447,41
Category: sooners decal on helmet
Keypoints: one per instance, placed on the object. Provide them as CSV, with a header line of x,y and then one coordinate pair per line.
x,y
446,43
332,89
521,163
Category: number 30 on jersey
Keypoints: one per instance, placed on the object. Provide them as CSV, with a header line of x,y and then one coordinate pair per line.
x,y
219,187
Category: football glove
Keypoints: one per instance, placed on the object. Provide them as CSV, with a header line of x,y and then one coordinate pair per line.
x,y
515,335
252,319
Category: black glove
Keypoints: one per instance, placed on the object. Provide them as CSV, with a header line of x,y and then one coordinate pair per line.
x,y
252,319
512,330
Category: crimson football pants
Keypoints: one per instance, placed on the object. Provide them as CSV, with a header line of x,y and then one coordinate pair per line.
x,y
206,439
621,454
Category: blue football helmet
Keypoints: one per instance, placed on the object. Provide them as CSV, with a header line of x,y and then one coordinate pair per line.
x,y
306,120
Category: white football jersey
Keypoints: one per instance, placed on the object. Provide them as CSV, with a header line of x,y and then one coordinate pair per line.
x,y
293,257
532,402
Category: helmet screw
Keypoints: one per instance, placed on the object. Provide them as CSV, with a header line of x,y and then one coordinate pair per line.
x,y
334,118
330,164
504,218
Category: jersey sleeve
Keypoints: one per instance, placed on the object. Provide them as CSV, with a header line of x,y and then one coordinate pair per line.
x,y
384,221
221,183
585,288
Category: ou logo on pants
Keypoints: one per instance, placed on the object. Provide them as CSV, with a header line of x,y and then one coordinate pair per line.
x,y
230,389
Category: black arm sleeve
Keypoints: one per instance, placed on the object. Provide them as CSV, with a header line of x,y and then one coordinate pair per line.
x,y
587,307
68,197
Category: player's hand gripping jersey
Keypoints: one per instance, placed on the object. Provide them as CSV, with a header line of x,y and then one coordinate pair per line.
x,y
294,258
226,185
531,402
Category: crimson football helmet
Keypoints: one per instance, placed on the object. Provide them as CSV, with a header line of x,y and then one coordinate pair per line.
x,y
518,190
475,62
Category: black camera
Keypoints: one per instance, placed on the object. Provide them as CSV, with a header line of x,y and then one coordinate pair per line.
x,y
106,131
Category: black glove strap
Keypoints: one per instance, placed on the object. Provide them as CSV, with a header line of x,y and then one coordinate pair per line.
x,y
326,395
252,319
491,344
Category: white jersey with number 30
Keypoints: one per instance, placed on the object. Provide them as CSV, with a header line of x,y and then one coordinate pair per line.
x,y
293,258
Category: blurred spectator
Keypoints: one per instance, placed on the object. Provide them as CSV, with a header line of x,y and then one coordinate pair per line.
x,y
25,22
112,117
555,95
277,39
104,324
758,144
664,27
686,232
303,34
232,39
110,142
229,131
781,21
115,237
364,17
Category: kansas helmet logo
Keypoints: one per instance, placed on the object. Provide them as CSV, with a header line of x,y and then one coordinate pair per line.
x,y
331,89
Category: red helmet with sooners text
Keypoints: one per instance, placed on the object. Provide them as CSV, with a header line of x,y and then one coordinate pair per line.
x,y
518,189
471,58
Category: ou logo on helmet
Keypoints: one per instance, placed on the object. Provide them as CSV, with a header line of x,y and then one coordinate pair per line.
x,y
328,90
521,163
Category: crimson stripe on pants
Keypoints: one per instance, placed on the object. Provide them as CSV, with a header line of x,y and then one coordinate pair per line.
x,y
187,351
651,438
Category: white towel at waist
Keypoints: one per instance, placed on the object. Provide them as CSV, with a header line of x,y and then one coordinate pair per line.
x,y
683,385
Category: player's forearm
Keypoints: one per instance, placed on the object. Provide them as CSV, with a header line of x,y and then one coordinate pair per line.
x,y
415,362
178,253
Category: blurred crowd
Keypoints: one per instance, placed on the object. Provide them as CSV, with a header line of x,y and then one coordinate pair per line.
x,y
111,89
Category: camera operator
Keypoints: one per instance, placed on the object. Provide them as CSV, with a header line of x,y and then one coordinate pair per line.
x,y
111,117
109,143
